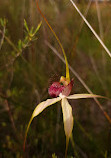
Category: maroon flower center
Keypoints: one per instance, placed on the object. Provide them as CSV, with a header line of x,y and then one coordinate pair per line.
x,y
57,87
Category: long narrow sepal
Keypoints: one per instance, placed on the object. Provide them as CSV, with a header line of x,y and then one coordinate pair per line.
x,y
39,108
80,96
67,67
68,120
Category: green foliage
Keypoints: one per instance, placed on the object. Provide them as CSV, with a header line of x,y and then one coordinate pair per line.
x,y
3,22
54,155
30,36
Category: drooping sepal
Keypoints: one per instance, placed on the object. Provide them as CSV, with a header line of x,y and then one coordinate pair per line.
x,y
67,119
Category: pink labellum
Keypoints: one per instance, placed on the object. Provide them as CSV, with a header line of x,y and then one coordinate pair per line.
x,y
55,89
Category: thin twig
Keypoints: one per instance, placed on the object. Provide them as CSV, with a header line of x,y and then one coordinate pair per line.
x,y
10,116
2,39
6,101
79,78
93,31
19,53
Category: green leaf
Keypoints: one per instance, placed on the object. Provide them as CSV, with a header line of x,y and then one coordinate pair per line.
x,y
3,22
38,27
31,31
68,121
39,108
80,96
26,26
54,156
20,45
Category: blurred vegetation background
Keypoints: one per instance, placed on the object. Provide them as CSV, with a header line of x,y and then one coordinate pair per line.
x,y
27,64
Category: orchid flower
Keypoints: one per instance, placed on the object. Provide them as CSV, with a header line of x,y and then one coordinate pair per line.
x,y
59,91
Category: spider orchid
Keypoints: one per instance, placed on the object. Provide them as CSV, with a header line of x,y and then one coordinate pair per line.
x,y
59,91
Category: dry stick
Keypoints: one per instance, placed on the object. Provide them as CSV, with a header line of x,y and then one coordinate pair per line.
x,y
101,42
10,116
6,101
18,137
2,39
79,78
11,63
15,49
17,55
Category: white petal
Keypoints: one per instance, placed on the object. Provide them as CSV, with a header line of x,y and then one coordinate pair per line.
x,y
40,107
79,96
67,117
